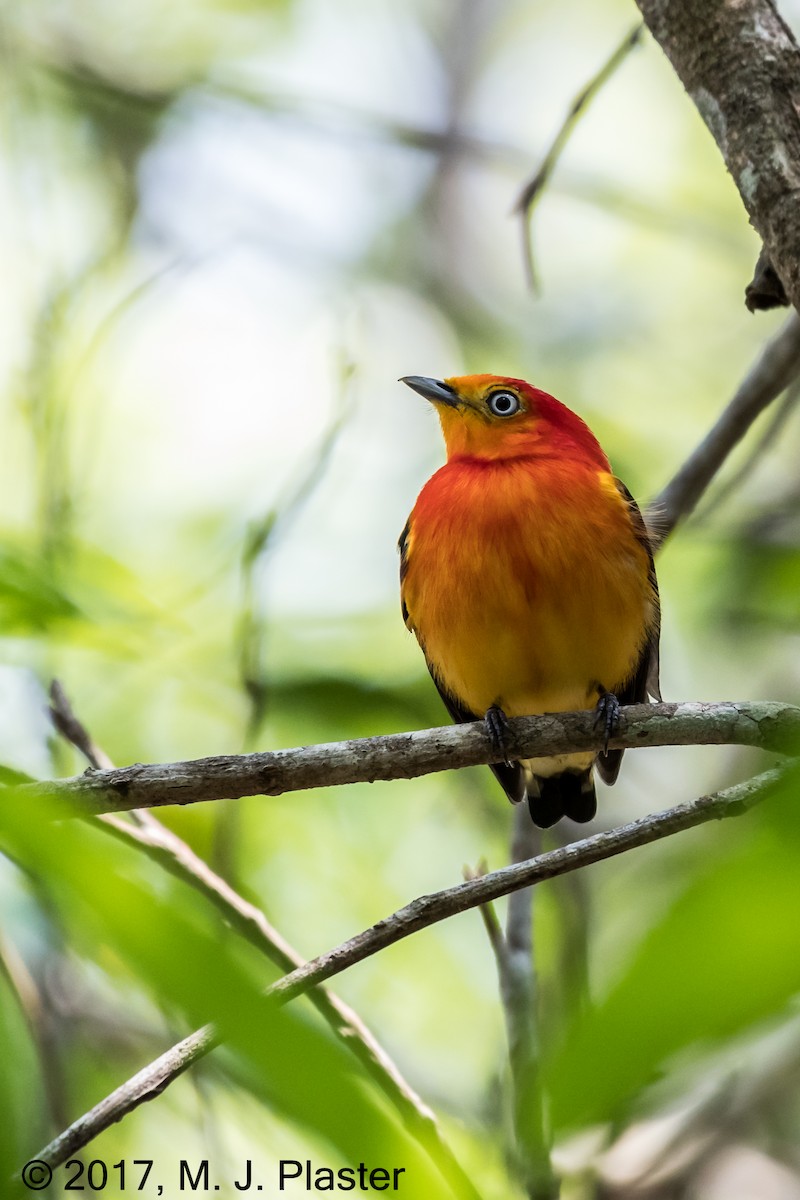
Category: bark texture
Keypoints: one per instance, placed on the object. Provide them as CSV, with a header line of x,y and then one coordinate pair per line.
x,y
766,724
740,63
420,914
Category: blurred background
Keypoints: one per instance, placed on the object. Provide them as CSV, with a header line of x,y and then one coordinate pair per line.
x,y
226,228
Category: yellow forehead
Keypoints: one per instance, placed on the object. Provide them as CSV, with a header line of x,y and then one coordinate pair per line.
x,y
476,387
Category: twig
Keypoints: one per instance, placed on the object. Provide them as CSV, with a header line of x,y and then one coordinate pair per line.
x,y
178,858
778,419
776,367
420,914
519,996
525,844
259,540
251,633
535,186
491,921
766,724
39,1022
73,731
144,1085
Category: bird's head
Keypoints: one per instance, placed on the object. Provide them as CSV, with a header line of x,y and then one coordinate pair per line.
x,y
495,416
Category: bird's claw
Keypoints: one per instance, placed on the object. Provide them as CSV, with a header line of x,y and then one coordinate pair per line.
x,y
499,731
606,716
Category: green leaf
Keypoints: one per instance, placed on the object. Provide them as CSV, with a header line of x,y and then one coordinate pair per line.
x,y
83,596
725,956
20,1090
169,941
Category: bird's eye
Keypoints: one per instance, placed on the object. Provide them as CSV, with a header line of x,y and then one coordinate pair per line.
x,y
503,404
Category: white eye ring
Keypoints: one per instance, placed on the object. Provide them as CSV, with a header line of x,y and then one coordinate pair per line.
x,y
503,404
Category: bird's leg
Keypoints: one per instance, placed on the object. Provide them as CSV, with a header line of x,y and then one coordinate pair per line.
x,y
606,714
499,731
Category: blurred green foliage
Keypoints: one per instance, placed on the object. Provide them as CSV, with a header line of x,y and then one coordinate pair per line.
x,y
226,230
290,1063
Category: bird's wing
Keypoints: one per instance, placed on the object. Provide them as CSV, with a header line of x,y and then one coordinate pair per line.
x,y
402,546
510,775
644,681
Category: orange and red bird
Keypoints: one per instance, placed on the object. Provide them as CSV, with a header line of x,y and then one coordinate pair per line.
x,y
527,577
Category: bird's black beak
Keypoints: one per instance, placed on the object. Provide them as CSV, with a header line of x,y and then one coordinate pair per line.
x,y
432,389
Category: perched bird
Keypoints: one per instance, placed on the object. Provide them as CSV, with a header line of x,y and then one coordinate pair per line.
x,y
527,577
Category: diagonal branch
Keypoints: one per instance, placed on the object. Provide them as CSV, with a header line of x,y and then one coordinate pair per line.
x,y
491,921
779,418
518,991
768,725
776,367
420,914
74,731
40,1025
535,186
176,857
164,846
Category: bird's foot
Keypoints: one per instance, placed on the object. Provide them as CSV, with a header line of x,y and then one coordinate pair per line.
x,y
499,731
606,715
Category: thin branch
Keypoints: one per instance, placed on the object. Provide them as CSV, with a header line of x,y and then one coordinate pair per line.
x,y
535,186
766,724
428,910
164,846
66,723
40,1026
176,857
526,843
778,419
491,921
259,540
420,914
519,996
252,634
777,366
144,1085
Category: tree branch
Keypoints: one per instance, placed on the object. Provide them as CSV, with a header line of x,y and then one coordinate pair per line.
x,y
40,1026
164,846
420,914
491,921
74,731
535,186
741,66
176,857
518,991
766,724
767,438
776,367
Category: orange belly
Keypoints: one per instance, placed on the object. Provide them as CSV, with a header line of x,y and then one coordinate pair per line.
x,y
526,585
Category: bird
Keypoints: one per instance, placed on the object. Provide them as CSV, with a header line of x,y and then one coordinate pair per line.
x,y
527,577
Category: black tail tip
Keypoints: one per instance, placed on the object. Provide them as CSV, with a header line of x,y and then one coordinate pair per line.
x,y
568,795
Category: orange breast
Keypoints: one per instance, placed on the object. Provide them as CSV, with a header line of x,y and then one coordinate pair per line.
x,y
526,585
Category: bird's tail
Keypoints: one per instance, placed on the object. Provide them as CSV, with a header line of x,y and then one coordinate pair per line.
x,y
570,794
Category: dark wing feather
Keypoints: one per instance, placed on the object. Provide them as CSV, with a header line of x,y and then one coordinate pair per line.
x,y
510,776
644,681
402,546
